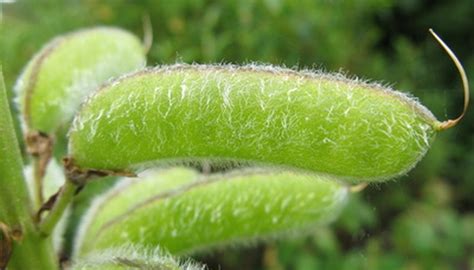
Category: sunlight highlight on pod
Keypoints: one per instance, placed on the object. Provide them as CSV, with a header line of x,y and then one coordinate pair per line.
x,y
58,78
208,211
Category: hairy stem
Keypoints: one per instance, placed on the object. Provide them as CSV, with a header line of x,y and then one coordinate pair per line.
x,y
29,250
65,197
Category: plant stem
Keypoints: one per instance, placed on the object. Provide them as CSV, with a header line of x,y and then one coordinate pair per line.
x,y
64,198
38,182
31,251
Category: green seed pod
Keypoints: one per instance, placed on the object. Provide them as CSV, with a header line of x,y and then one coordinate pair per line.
x,y
257,114
133,257
253,114
215,210
67,69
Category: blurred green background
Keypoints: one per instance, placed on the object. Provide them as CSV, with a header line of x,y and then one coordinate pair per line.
x,y
424,220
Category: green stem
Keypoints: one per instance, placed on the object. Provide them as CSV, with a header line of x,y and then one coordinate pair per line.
x,y
31,251
38,182
64,198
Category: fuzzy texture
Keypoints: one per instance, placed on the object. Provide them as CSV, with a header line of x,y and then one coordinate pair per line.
x,y
255,114
59,77
133,257
225,209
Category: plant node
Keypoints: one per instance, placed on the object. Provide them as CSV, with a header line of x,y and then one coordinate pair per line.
x,y
40,146
80,176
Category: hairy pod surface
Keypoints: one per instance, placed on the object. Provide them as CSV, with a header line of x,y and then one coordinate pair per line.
x,y
258,114
58,78
133,257
235,208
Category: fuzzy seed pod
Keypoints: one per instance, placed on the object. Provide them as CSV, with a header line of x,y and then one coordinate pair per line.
x,y
234,208
253,114
133,257
67,69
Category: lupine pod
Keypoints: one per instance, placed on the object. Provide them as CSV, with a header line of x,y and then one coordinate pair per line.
x,y
58,78
133,257
258,114
239,207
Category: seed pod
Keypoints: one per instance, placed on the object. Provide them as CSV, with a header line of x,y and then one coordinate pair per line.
x,y
234,208
133,257
68,68
258,114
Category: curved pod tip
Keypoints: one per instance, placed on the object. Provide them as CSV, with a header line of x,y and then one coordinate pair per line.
x,y
453,122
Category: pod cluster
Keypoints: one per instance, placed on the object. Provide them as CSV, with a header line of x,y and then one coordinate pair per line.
x,y
309,132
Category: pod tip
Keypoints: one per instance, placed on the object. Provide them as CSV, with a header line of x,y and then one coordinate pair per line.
x,y
147,33
358,188
453,122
